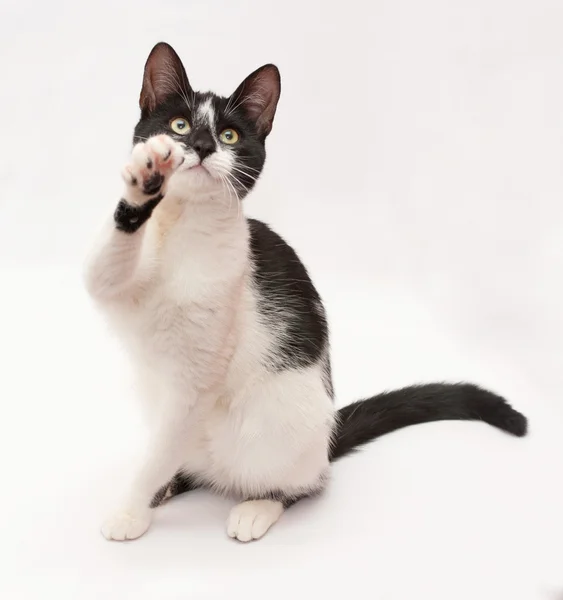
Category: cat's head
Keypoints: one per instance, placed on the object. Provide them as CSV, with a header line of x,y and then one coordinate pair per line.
x,y
224,138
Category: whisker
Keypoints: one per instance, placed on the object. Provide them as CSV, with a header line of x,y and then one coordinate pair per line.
x,y
224,181
245,173
237,180
229,176
236,196
249,167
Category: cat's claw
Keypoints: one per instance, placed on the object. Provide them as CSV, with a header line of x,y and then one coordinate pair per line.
x,y
126,525
152,163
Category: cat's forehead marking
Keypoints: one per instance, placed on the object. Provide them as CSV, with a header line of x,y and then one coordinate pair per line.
x,y
206,113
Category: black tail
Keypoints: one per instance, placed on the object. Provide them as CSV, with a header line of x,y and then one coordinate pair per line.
x,y
365,420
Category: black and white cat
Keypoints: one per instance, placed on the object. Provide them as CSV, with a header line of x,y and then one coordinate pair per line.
x,y
225,329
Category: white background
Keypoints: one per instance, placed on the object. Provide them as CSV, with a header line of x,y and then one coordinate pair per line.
x,y
415,164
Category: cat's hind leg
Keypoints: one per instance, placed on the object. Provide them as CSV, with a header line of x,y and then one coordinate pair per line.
x,y
250,520
179,484
272,449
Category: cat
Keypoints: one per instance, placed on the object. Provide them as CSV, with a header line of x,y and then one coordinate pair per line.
x,y
226,332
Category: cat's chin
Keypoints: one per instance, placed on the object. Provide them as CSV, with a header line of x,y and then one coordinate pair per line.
x,y
197,180
196,174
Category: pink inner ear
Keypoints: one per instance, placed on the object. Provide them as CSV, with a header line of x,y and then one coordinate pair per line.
x,y
259,96
164,75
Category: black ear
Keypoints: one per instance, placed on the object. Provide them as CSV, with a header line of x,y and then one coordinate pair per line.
x,y
258,96
164,76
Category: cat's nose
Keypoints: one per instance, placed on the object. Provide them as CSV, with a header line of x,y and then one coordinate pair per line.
x,y
203,144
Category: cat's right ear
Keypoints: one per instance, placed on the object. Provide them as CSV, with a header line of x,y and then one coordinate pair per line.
x,y
164,76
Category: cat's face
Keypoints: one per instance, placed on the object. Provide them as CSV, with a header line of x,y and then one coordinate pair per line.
x,y
224,138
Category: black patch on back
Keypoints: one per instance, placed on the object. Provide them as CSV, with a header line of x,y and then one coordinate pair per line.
x,y
327,376
287,295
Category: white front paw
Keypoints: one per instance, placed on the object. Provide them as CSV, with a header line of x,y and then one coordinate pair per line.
x,y
127,524
152,164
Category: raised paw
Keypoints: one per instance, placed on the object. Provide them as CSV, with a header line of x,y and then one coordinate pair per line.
x,y
250,520
152,164
126,525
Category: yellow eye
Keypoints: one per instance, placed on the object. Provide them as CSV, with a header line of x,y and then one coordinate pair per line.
x,y
229,136
179,126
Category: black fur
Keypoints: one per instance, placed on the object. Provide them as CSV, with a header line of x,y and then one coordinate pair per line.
x,y
180,484
290,499
287,294
129,218
365,420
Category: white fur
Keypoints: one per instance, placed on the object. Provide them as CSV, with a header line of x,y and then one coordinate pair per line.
x,y
126,526
251,520
206,116
179,293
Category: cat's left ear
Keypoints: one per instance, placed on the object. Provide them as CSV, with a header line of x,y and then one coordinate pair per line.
x,y
258,96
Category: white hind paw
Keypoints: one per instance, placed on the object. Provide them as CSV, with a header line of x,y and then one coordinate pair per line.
x,y
250,520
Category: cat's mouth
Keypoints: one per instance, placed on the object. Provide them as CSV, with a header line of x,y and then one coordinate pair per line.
x,y
197,168
193,164
200,168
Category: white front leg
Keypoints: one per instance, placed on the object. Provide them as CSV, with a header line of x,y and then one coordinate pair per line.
x,y
123,258
165,454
